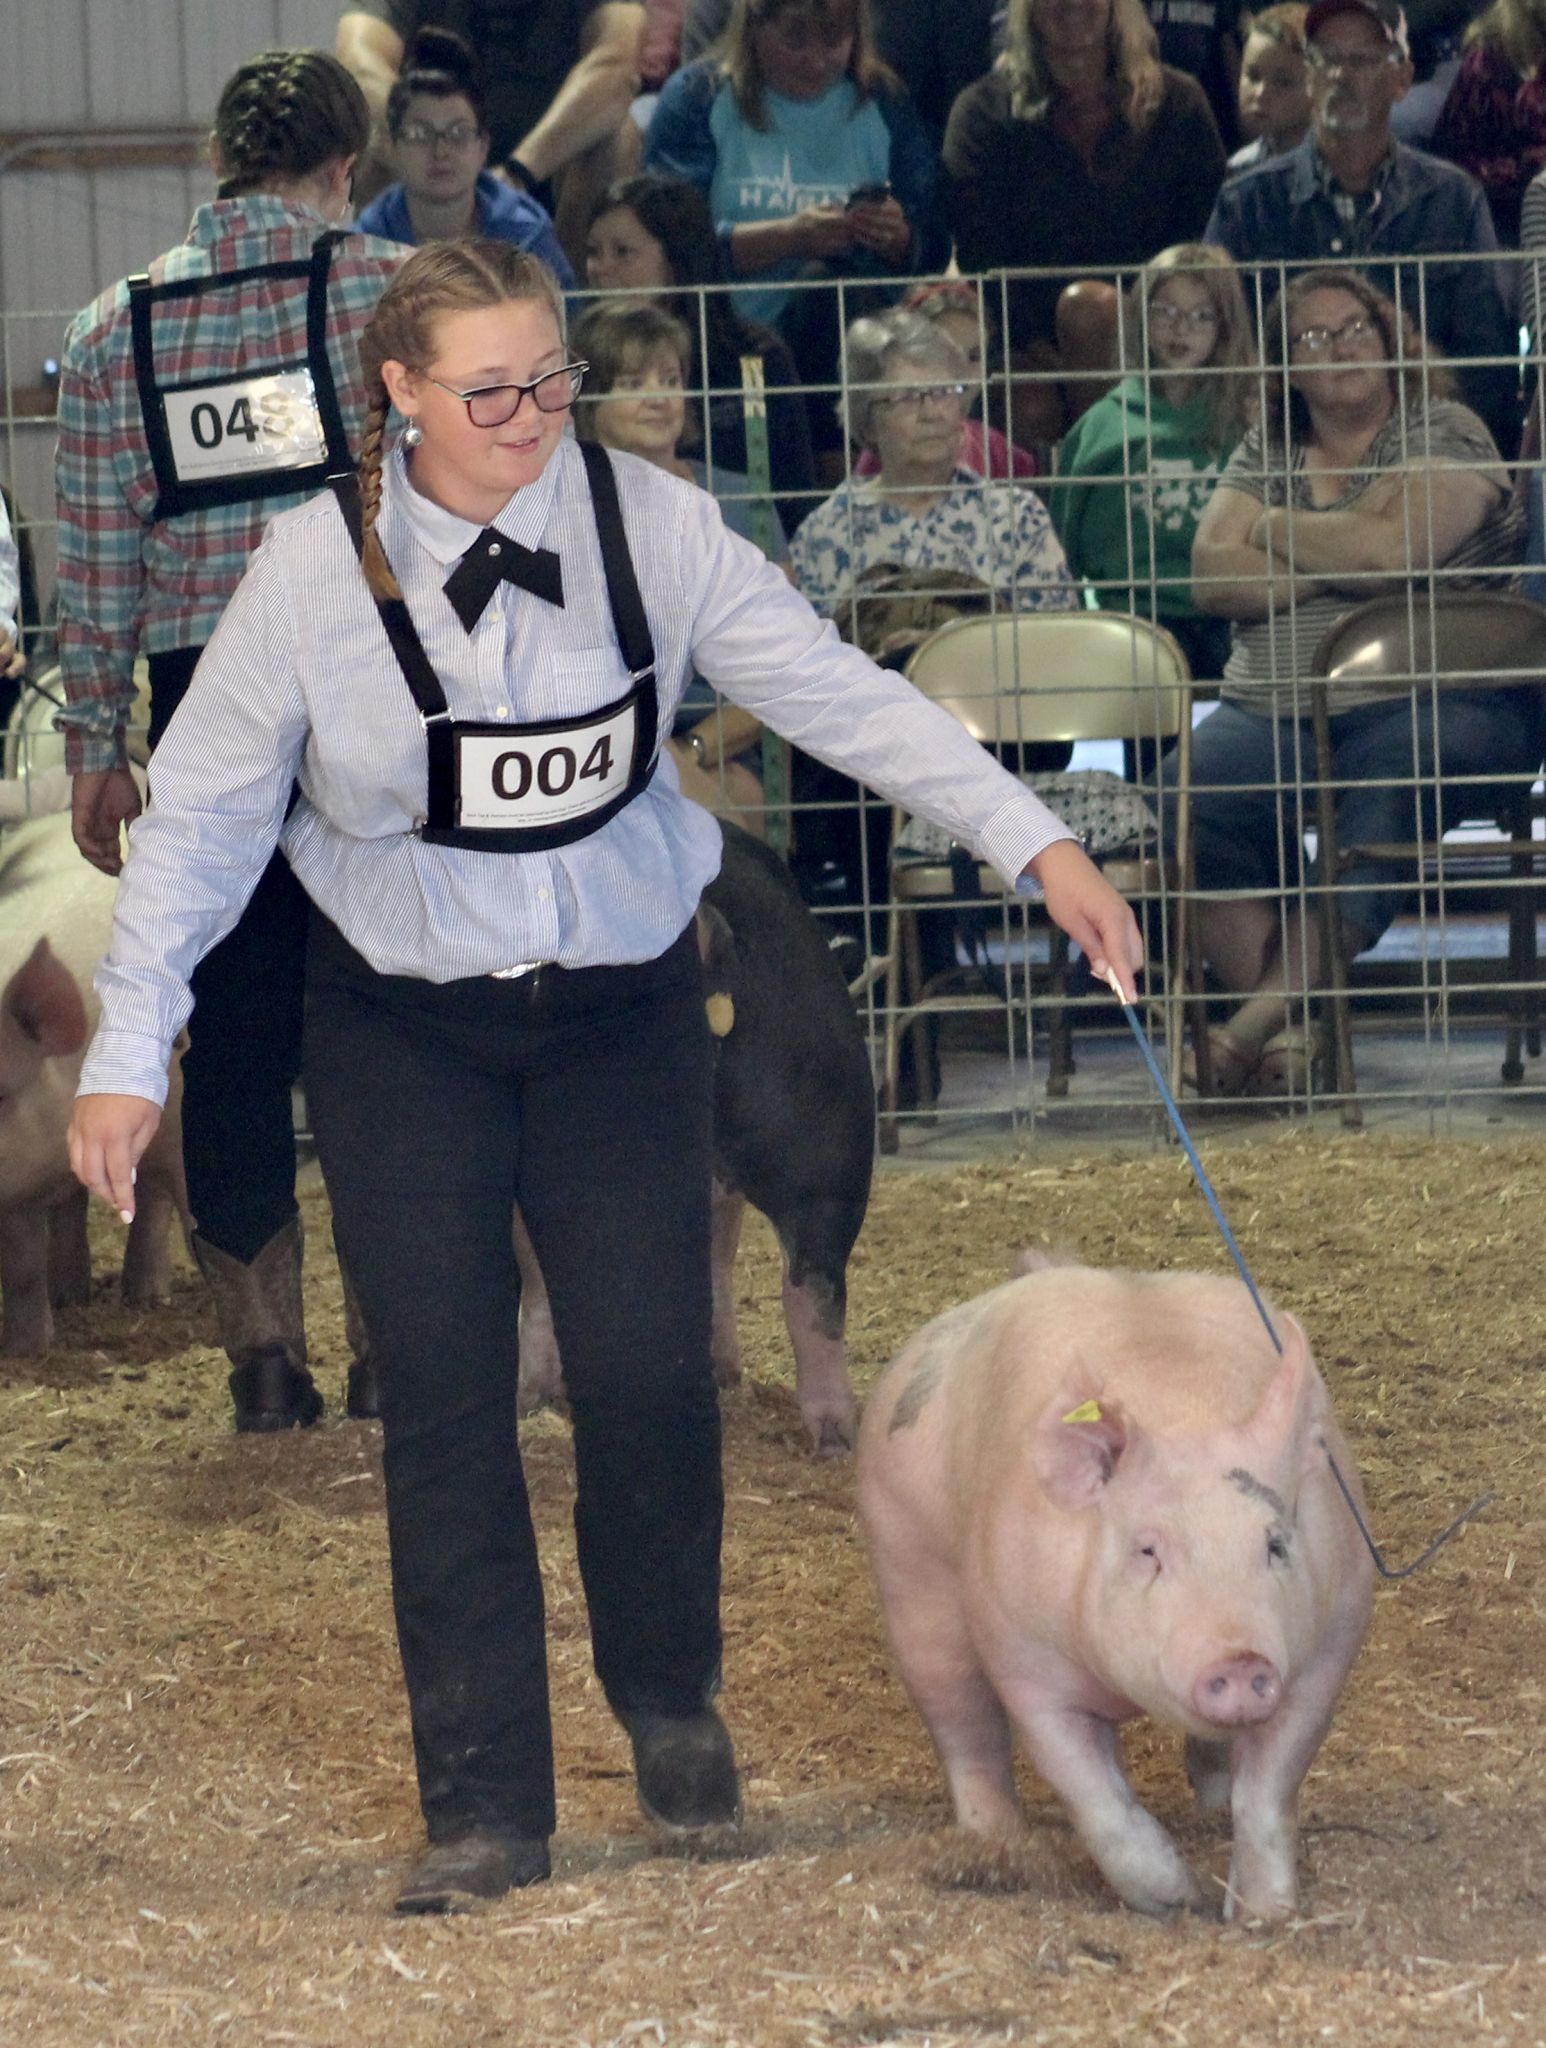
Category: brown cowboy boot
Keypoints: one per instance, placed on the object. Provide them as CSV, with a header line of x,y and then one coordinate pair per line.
x,y
258,1304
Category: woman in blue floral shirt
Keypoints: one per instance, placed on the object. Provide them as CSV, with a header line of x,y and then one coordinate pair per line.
x,y
907,397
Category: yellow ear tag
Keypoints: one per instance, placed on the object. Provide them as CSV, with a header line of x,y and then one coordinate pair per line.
x,y
721,1011
1089,1412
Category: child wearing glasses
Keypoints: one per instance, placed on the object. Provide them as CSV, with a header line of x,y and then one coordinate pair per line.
x,y
1135,473
437,122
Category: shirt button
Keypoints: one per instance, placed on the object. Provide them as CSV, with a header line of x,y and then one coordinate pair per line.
x,y
503,711
1336,246
544,895
493,547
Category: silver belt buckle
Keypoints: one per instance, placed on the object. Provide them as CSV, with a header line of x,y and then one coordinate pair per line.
x,y
515,973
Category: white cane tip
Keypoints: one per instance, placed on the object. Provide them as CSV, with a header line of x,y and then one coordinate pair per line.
x,y
127,1215
1109,977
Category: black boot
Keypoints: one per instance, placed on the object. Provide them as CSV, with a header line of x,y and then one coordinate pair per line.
x,y
684,1768
459,1875
258,1304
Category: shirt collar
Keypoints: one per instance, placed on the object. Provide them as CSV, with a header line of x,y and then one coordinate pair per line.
x,y
446,535
1326,182
253,213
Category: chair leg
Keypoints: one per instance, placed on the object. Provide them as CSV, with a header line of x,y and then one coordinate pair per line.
x,y
1521,951
895,919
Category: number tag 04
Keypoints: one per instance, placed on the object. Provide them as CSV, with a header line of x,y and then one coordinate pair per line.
x,y
534,777
245,426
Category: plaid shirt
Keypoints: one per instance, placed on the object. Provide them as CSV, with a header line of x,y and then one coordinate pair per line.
x,y
129,582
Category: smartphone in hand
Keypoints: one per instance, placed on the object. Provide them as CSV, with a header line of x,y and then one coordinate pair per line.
x,y
868,195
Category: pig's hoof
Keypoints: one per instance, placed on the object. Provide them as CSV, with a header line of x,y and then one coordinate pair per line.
x,y
833,1427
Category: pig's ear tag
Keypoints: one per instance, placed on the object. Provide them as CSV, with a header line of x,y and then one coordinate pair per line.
x,y
1088,1411
721,1012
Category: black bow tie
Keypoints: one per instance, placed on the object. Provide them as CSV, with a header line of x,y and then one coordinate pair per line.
x,y
492,557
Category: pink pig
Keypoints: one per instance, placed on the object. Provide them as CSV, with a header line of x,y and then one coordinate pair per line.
x,y
1093,1495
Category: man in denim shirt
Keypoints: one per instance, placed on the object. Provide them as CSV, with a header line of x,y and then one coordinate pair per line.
x,y
1350,193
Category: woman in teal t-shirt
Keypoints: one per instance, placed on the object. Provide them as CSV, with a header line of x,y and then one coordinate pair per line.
x,y
1135,473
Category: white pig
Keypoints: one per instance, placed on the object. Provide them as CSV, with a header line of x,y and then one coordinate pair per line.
x,y
1091,1495
55,914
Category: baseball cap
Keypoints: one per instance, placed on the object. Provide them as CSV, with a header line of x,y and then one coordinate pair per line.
x,y
1385,14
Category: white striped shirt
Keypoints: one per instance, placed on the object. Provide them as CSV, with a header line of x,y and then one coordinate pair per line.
x,y
298,684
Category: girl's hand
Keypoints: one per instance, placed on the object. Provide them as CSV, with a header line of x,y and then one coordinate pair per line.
x,y
825,230
108,1137
881,229
1081,902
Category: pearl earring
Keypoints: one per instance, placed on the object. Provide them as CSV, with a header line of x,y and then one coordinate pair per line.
x,y
413,434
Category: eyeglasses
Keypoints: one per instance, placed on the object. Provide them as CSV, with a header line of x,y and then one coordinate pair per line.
x,y
917,396
1320,341
492,404
1362,63
1163,315
420,135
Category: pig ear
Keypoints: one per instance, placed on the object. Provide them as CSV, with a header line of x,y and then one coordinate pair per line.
x,y
1293,1404
42,999
1080,1441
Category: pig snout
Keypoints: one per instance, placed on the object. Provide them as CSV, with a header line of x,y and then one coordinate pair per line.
x,y
1237,1691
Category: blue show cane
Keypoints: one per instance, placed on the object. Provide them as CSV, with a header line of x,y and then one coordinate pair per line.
x,y
1191,1152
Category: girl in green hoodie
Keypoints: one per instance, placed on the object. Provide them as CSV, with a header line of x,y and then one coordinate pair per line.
x,y
1136,471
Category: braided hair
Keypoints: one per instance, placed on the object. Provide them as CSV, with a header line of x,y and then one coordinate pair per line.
x,y
440,277
283,115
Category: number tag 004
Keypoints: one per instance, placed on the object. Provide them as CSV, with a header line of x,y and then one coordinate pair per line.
x,y
541,778
245,426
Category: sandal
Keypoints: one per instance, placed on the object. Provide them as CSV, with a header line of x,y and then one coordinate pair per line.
x,y
1234,1066
1292,1061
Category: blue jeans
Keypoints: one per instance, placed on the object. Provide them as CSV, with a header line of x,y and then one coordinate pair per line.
x,y
1253,789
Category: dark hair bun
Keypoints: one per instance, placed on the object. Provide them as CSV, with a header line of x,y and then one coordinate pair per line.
x,y
441,49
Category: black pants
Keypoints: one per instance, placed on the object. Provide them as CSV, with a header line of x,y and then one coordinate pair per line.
x,y
585,1096
244,1042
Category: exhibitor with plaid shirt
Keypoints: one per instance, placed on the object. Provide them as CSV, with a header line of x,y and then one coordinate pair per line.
x,y
197,401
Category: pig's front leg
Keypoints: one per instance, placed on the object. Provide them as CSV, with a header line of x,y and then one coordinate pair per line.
x,y
817,1237
1079,1755
541,1380
147,1262
28,1328
1269,1767
1207,1772
69,1252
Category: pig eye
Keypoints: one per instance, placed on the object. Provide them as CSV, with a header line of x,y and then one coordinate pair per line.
x,y
1277,1548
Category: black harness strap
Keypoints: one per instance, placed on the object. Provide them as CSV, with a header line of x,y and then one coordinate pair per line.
x,y
441,731
173,496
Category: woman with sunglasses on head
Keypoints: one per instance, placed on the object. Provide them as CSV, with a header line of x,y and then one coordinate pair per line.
x,y
467,661
437,123
195,402
1363,476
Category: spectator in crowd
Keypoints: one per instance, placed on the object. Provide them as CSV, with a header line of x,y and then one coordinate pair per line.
x,y
1351,191
1136,472
654,233
955,305
815,164
1081,152
1363,475
437,121
166,481
1274,85
894,555
1201,38
1494,121
638,362
560,77
936,48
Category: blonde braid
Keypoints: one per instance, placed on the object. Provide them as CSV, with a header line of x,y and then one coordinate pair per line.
x,y
378,570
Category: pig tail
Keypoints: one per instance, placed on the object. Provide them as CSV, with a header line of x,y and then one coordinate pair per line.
x,y
378,570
